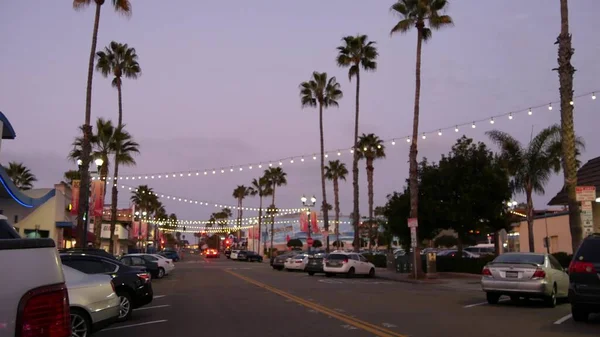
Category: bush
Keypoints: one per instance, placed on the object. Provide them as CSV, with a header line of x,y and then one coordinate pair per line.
x,y
462,265
563,258
380,261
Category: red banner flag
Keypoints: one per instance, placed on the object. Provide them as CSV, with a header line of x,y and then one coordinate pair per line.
x,y
287,238
313,222
303,222
75,186
97,197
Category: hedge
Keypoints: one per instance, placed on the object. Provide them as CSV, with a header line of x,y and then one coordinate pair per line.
x,y
462,265
563,258
380,261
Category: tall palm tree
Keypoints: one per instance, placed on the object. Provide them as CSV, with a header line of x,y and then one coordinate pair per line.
x,y
262,188
414,13
122,7
277,177
124,148
356,53
370,148
324,93
565,77
240,193
530,166
71,175
145,200
336,171
20,175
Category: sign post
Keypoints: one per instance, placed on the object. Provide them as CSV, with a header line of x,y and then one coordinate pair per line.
x,y
413,224
310,242
587,195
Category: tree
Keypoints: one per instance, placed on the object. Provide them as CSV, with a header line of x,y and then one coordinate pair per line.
x,y
213,241
338,244
122,7
262,188
335,172
20,175
356,52
276,178
370,147
240,193
445,241
317,244
414,13
145,201
295,243
71,175
324,93
530,167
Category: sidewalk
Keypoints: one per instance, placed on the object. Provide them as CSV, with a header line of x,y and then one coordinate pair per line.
x,y
455,279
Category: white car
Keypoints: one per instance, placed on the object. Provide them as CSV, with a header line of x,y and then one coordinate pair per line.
x,y
347,263
234,254
296,262
92,299
165,263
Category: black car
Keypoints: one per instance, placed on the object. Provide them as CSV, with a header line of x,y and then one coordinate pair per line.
x,y
315,264
91,251
584,279
250,256
133,285
145,261
278,262
227,253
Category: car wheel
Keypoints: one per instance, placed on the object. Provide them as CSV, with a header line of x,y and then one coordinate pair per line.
x,y
311,273
161,273
125,306
551,300
372,273
80,323
579,315
350,273
492,298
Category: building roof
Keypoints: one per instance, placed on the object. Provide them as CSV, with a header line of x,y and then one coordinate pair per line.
x,y
588,175
7,130
9,190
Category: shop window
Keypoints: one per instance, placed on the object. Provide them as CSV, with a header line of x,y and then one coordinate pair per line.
x,y
33,234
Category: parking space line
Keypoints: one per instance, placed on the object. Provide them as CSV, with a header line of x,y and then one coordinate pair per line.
x,y
134,325
159,296
484,303
153,307
564,319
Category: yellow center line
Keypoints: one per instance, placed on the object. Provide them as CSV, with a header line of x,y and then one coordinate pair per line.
x,y
372,328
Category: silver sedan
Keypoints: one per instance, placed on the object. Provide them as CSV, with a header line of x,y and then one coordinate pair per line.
x,y
528,275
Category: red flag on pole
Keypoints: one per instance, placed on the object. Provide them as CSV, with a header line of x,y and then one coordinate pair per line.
x,y
303,222
313,221
287,238
97,197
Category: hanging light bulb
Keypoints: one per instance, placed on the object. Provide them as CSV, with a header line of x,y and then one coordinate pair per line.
x,y
270,164
302,159
424,136
439,132
280,163
594,95
214,172
351,150
314,157
394,142
571,102
291,161
222,171
241,168
550,106
530,112
259,165
326,155
408,139
492,120
510,116
473,125
231,169
250,167
339,153
205,173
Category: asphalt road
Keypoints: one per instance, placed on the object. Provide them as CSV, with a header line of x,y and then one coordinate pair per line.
x,y
227,298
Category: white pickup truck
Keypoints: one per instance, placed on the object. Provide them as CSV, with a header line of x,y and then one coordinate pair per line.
x,y
33,296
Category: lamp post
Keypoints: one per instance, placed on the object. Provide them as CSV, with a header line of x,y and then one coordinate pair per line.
x,y
308,205
86,192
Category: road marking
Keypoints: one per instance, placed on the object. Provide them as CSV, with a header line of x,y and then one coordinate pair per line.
x,y
357,323
389,325
159,296
134,325
339,310
330,281
312,311
349,327
154,307
564,319
484,303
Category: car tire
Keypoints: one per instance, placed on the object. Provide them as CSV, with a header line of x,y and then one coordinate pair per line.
x,y
81,325
579,314
351,273
492,298
371,273
125,306
311,273
161,273
550,301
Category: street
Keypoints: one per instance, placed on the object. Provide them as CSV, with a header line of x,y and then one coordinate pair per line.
x,y
219,297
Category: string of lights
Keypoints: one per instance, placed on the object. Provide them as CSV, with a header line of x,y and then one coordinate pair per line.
x,y
186,223
338,153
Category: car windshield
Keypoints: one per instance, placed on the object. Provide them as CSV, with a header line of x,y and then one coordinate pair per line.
x,y
589,251
337,257
520,259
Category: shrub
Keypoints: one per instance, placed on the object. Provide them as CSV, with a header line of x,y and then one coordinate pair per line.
x,y
462,265
380,261
563,258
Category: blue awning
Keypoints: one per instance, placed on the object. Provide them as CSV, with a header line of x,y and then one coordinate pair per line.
x,y
64,224
9,189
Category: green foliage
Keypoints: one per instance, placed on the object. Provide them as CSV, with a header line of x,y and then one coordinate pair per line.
x,y
446,241
295,243
338,244
20,175
563,258
380,261
317,244
415,13
320,90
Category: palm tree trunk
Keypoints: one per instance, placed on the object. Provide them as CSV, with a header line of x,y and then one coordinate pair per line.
x,y
239,231
86,147
272,223
98,220
356,217
336,196
260,251
119,94
530,220
370,170
115,192
324,208
565,77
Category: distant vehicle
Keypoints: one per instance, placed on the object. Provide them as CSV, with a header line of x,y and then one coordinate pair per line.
x,y
212,253
170,254
584,279
279,261
234,254
165,263
528,275
227,253
315,264
349,264
148,261
454,253
250,256
34,298
482,249
91,251
297,262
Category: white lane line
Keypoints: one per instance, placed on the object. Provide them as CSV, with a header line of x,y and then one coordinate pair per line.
x,y
564,319
483,303
159,296
389,325
154,307
134,325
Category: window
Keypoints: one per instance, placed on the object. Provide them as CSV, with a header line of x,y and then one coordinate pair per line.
x,y
110,267
354,257
150,258
337,257
137,261
554,263
520,258
589,251
86,266
126,261
363,259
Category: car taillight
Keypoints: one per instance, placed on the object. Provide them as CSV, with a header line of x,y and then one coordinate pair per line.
x,y
539,274
345,260
486,272
168,261
44,312
144,277
581,267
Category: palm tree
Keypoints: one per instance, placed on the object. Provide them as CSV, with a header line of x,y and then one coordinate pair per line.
x,y
71,175
531,166
565,76
122,7
355,53
276,178
324,93
145,200
336,171
120,61
124,148
20,175
240,193
262,188
415,13
370,147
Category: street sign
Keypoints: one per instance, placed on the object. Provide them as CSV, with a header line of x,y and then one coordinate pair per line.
x,y
585,193
309,241
413,237
413,223
587,218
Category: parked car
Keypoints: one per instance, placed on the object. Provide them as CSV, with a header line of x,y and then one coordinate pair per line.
x,y
528,275
227,253
212,253
279,261
584,279
170,254
133,285
315,264
165,263
349,264
93,302
454,253
147,261
91,251
296,262
234,254
250,256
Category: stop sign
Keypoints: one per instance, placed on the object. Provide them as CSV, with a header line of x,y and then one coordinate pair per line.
x,y
309,241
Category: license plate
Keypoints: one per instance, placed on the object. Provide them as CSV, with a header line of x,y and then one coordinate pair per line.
x,y
512,274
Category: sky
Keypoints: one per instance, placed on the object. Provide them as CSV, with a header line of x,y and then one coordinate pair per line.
x,y
220,80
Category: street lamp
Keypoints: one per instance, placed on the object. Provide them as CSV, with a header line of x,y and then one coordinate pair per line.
x,y
99,162
307,204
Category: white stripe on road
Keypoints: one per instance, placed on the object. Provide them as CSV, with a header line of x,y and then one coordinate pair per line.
x,y
483,303
154,307
564,319
159,296
134,325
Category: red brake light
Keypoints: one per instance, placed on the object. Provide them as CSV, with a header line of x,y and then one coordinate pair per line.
x,y
44,312
144,277
486,271
539,274
345,260
581,267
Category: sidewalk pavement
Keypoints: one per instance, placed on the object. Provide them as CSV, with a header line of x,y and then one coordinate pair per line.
x,y
455,279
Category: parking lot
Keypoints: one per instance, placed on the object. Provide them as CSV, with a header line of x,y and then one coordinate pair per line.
x,y
231,298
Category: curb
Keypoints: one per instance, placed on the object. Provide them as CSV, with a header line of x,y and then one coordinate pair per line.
x,y
408,280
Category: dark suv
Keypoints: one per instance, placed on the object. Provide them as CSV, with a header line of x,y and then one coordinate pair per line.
x,y
584,279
